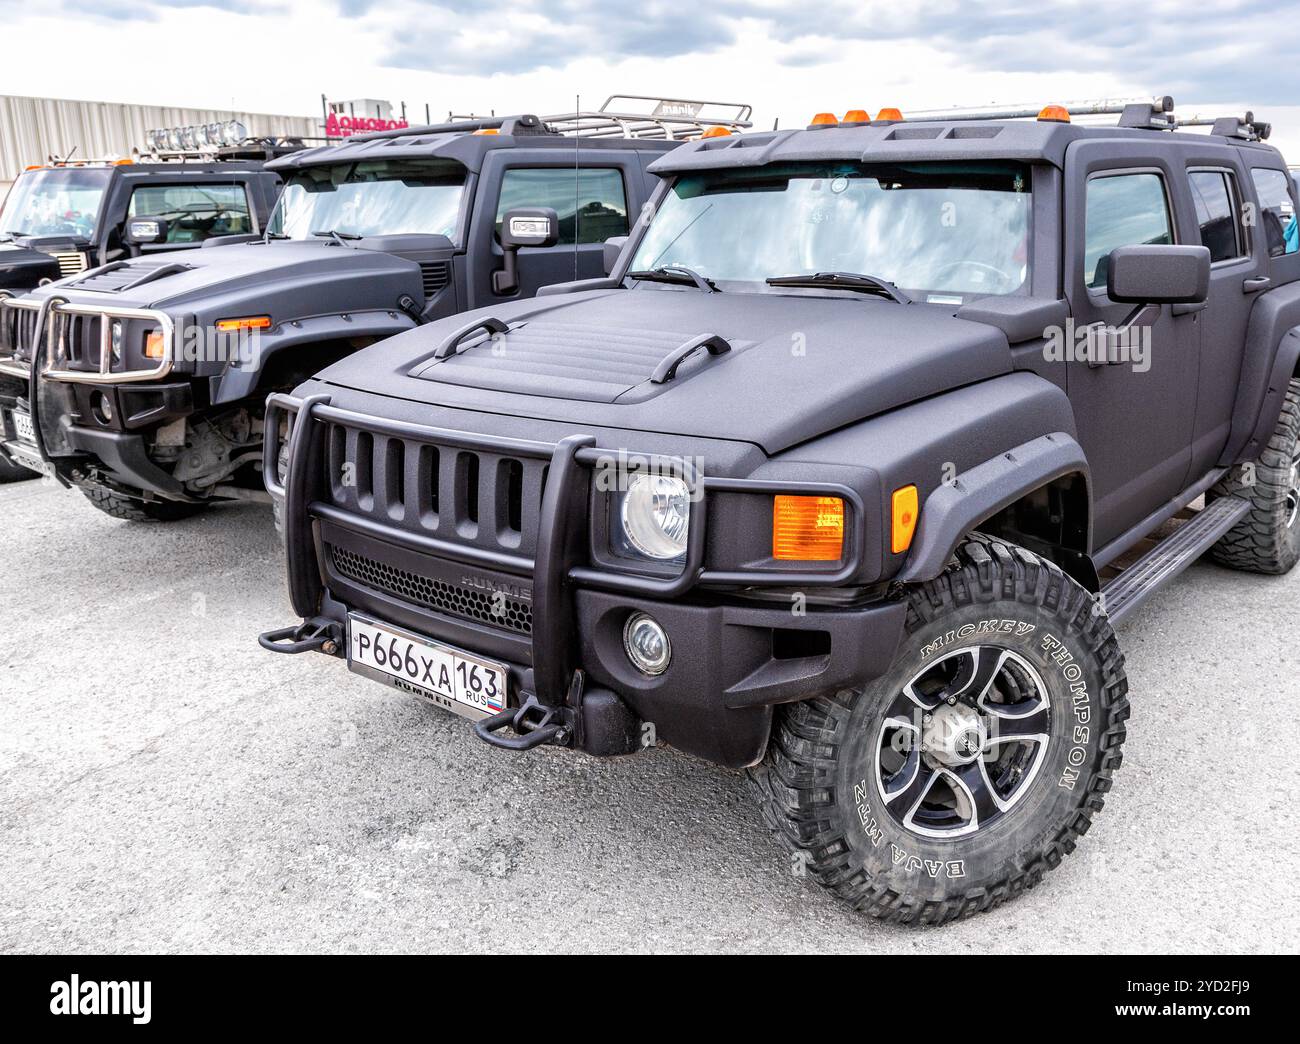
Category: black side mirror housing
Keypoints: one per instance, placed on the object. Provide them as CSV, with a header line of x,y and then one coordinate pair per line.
x,y
523,227
1155,275
613,247
144,230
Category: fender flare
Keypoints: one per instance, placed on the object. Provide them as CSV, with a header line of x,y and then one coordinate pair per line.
x,y
956,508
1286,365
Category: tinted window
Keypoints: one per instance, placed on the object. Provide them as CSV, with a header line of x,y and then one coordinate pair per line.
x,y
1123,210
1277,211
194,212
1213,194
590,211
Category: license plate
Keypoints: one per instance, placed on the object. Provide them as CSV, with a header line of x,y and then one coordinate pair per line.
x,y
459,681
23,427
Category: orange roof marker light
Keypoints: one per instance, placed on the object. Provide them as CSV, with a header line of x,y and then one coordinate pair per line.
x,y
857,116
487,130
824,119
717,132
889,115
807,529
1055,114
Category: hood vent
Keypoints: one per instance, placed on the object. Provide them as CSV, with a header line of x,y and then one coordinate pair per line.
x,y
123,274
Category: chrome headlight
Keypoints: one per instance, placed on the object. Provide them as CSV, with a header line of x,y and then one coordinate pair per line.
x,y
115,339
655,514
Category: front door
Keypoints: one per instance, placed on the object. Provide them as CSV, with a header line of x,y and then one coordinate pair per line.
x,y
1135,413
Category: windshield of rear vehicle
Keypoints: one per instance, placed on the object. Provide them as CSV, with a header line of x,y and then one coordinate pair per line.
x,y
932,229
373,198
61,202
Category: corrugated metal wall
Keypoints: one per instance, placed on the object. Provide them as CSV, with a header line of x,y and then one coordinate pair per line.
x,y
32,129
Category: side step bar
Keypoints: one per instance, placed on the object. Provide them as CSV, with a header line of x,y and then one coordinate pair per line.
x,y
1133,586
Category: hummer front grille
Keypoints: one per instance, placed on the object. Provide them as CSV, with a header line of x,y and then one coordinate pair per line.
x,y
17,327
496,609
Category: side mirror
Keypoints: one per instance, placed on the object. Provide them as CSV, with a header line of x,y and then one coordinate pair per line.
x,y
143,230
1155,275
523,227
613,247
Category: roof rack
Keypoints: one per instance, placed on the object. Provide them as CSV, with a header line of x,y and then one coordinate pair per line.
x,y
1139,114
672,119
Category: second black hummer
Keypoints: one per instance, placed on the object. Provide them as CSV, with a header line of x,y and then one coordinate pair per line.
x,y
842,476
151,373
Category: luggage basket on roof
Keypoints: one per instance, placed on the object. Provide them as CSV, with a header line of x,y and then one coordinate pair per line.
x,y
642,116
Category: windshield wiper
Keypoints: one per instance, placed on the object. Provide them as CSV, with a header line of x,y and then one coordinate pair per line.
x,y
338,237
867,284
676,274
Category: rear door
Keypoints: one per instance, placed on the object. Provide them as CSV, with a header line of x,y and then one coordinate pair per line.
x,y
591,192
1236,265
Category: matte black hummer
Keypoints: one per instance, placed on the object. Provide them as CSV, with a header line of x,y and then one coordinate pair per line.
x,y
842,476
60,219
152,373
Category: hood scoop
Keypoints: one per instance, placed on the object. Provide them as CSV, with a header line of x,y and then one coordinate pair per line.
x,y
126,275
568,360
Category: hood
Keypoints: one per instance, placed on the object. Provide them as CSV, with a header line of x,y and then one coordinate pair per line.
x,y
797,365
231,275
22,268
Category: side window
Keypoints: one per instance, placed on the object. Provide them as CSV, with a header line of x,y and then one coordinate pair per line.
x,y
1122,210
590,211
1277,211
1213,192
195,212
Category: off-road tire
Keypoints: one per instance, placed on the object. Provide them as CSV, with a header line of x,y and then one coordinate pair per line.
x,y
15,472
132,509
1263,542
817,786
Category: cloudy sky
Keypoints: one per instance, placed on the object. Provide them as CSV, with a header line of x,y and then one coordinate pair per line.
x,y
787,59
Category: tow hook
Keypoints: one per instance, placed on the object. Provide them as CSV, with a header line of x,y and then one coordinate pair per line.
x,y
317,635
533,723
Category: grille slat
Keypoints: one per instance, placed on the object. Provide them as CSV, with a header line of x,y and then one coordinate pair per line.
x,y
497,610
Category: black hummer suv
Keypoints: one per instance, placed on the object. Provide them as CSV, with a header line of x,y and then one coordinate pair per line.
x,y
843,476
152,373
60,219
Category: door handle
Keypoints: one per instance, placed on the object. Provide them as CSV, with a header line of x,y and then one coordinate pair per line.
x,y
1255,284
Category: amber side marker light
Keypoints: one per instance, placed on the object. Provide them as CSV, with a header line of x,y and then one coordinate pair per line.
x,y
153,344
905,511
1055,114
249,322
807,529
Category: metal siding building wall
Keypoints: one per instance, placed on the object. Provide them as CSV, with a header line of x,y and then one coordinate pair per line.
x,y
32,129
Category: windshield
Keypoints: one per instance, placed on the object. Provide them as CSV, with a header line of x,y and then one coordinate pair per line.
x,y
61,202
939,231
374,198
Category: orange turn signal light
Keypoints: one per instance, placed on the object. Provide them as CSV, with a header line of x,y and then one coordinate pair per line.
x,y
807,529
824,119
857,116
153,345
248,322
1055,114
905,512
716,132
889,114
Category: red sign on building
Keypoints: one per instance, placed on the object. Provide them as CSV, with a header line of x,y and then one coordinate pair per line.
x,y
338,126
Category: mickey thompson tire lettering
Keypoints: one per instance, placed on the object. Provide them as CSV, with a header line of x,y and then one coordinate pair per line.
x,y
818,785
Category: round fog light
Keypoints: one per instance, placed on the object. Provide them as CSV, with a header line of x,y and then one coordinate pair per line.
x,y
102,407
646,644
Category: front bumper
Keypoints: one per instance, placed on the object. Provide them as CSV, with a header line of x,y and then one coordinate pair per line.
x,y
733,660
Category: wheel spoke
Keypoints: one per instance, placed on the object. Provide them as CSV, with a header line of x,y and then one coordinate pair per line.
x,y
976,673
973,780
1031,723
910,784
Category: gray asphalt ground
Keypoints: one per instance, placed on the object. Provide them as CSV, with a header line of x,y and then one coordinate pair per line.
x,y
167,786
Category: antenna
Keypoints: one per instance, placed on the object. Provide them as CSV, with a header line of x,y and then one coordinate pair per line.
x,y
577,196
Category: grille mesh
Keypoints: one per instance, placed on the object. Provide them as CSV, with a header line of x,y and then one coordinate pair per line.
x,y
513,614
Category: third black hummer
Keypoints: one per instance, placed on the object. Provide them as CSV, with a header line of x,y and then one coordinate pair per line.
x,y
842,476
